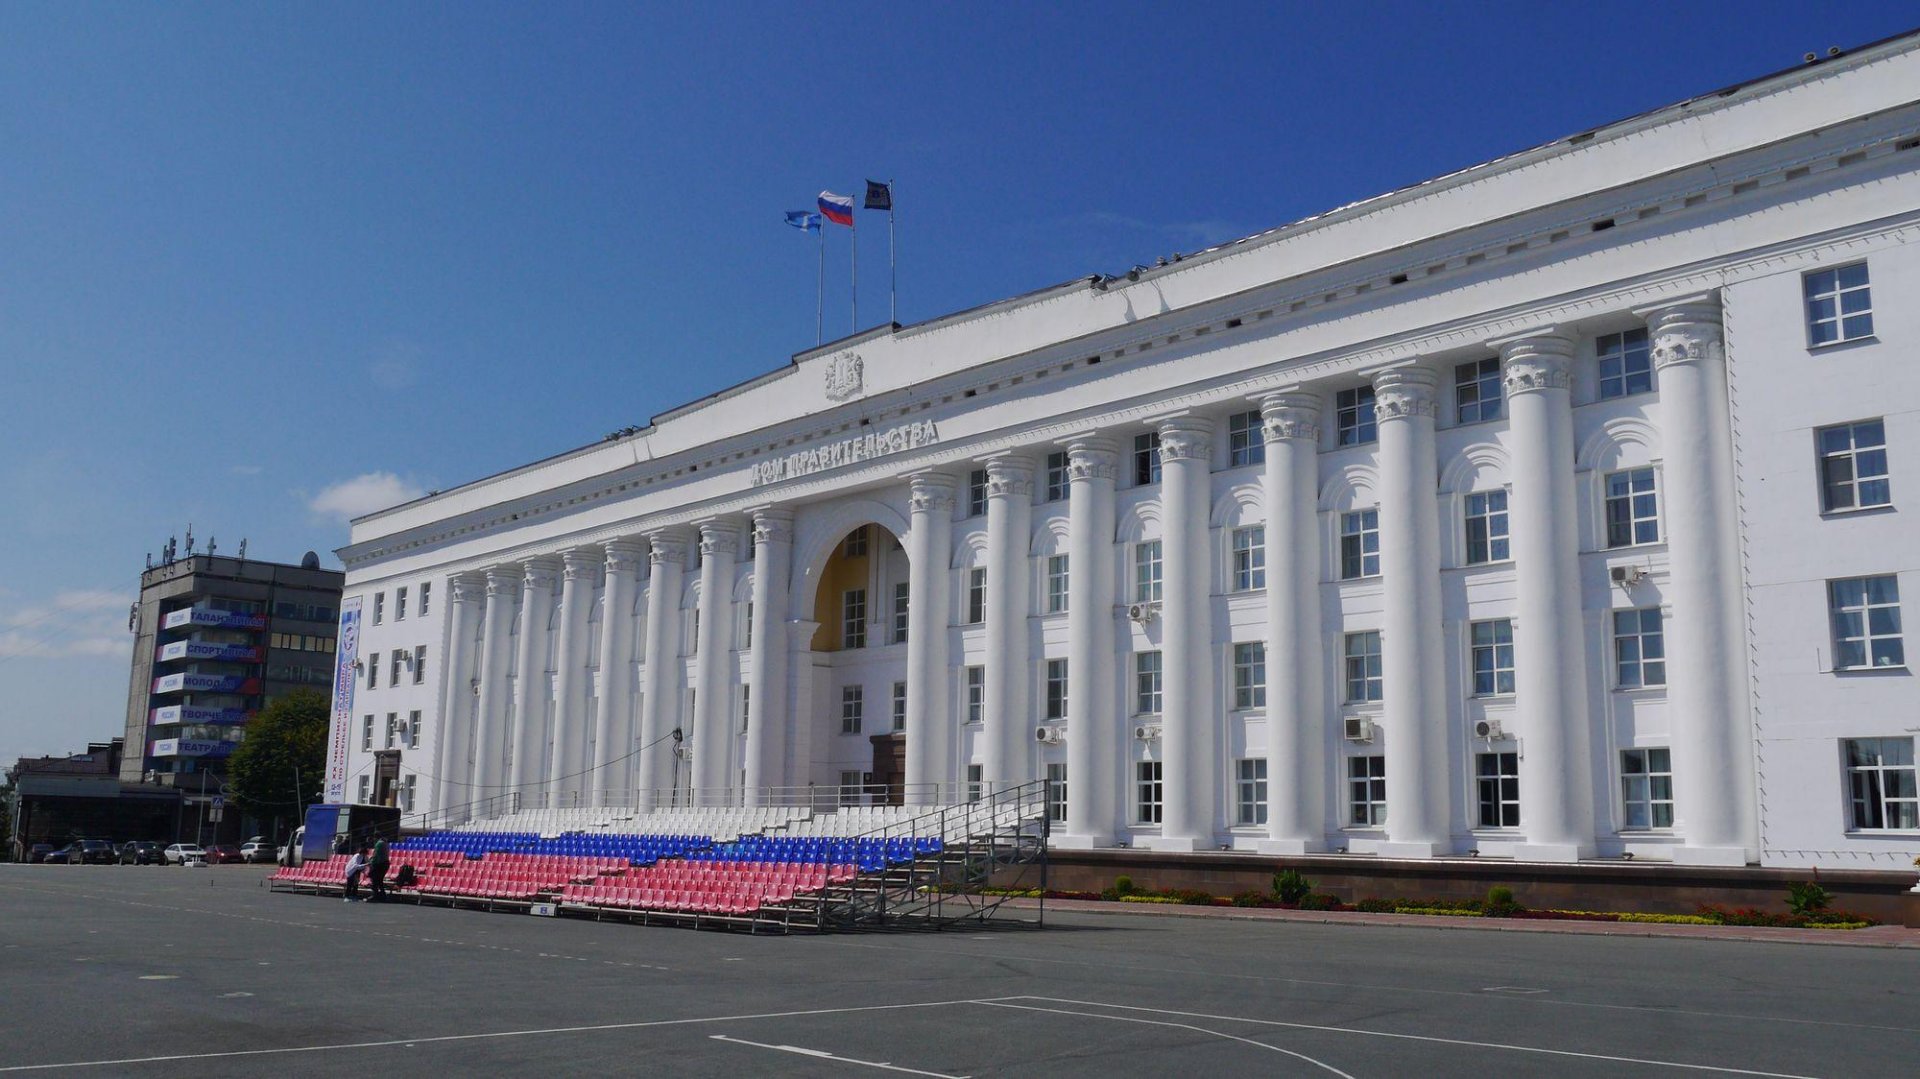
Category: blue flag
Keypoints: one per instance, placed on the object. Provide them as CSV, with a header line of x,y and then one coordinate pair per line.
x,y
804,220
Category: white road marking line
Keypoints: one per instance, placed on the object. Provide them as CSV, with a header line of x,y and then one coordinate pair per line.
x,y
823,1055
1516,989
391,1042
1424,1038
1179,1026
159,977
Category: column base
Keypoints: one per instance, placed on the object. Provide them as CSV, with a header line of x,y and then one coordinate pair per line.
x,y
1730,856
1184,844
1063,841
1388,848
1290,846
1550,852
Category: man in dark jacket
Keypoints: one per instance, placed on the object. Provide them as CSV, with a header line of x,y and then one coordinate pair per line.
x,y
377,870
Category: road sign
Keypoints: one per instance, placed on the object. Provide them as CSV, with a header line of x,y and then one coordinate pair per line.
x,y
218,808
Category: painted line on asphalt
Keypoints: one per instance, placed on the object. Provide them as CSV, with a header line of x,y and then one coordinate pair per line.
x,y
389,1043
1002,1002
821,1054
1164,1023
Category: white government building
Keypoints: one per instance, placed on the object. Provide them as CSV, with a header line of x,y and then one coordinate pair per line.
x,y
1548,510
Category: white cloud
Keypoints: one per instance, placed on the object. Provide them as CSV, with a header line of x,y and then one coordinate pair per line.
x,y
363,494
83,622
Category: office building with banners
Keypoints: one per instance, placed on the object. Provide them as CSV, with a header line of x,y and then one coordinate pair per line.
x,y
1547,511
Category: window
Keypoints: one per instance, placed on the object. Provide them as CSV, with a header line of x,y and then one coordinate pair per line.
x,y
1359,544
899,706
1056,583
1853,466
852,702
1880,784
746,627
1056,476
1056,689
1364,679
1633,515
1146,683
393,675
1839,305
976,694
1250,790
1146,571
1487,528
379,607
373,670
1367,791
1249,558
1493,657
976,782
1245,446
366,790
1498,777
419,664
1866,623
693,631
902,606
393,731
400,604
1646,788
976,492
426,593
746,707
413,729
1146,458
976,596
1639,649
407,789
851,788
853,618
1146,800
366,733
1057,792
1626,365
856,545
1476,391
1353,416
1249,676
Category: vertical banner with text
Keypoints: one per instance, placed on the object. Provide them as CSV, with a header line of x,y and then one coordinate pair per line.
x,y
347,648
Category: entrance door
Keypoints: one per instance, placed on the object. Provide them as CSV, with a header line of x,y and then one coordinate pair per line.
x,y
890,766
386,776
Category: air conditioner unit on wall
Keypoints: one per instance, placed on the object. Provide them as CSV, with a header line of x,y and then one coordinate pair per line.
x,y
1143,612
1359,729
1488,729
1626,575
1051,736
1147,732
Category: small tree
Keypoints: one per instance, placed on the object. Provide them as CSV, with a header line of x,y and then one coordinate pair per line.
x,y
287,738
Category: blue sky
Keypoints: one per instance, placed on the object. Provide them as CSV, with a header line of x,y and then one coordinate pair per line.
x,y
262,267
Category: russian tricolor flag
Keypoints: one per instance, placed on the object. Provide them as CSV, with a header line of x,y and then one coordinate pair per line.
x,y
837,208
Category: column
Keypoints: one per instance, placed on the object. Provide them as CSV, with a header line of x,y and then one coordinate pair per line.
x,y
490,729
1190,811
797,769
1095,770
1296,720
1713,797
570,732
1009,681
768,714
453,755
1415,710
613,734
1550,684
531,691
660,693
930,734
713,704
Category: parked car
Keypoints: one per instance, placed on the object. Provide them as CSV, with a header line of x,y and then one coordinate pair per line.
x,y
142,852
182,853
224,854
92,852
258,850
37,853
58,857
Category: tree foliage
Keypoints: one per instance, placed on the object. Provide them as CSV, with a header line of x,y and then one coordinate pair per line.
x,y
287,738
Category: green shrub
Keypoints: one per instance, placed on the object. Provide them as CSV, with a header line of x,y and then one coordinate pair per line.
x,y
1452,912
1148,899
1193,897
1500,903
1320,901
1376,905
1807,897
1253,897
1291,886
1123,885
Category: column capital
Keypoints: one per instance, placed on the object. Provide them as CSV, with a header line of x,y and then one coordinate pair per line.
x,y
771,524
1290,414
1009,475
1402,392
578,563
718,536
929,491
1185,438
1536,362
667,545
622,555
503,581
1090,457
540,572
1687,330
467,587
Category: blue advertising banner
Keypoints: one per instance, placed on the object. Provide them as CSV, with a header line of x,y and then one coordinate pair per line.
x,y
343,681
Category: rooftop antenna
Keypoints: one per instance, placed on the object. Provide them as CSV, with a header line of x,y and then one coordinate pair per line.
x,y
149,559
212,545
243,548
189,538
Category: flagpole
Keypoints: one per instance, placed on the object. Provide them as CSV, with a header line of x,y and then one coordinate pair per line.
x,y
893,264
853,238
820,290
